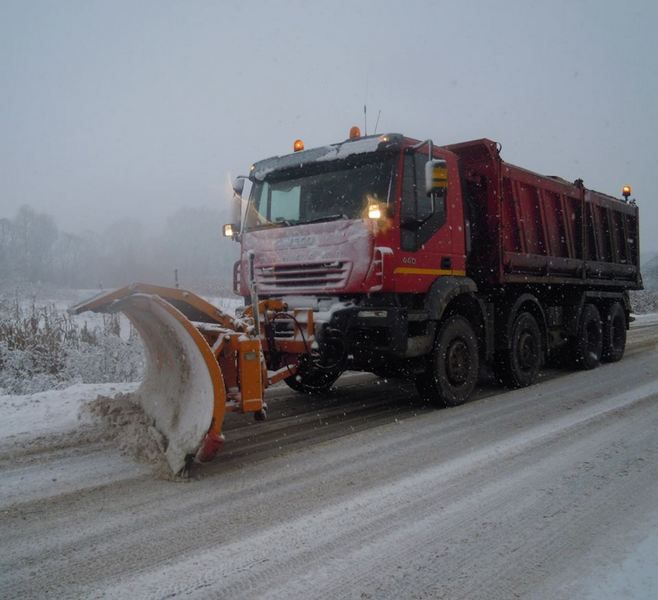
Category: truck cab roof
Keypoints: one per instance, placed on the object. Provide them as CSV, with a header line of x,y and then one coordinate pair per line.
x,y
339,151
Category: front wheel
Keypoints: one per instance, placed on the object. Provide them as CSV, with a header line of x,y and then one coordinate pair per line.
x,y
452,367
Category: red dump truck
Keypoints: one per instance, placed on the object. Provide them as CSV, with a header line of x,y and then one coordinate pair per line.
x,y
390,255
426,261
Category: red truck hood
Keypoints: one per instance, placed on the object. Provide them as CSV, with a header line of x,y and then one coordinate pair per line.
x,y
317,258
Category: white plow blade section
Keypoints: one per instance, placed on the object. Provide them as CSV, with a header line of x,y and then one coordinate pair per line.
x,y
183,384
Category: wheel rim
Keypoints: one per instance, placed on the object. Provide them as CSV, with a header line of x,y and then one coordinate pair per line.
x,y
458,362
527,351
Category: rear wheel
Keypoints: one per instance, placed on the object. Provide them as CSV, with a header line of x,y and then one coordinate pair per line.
x,y
614,333
452,367
589,343
521,363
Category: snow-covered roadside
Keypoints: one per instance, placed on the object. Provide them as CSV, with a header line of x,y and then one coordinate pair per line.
x,y
645,318
48,423
53,411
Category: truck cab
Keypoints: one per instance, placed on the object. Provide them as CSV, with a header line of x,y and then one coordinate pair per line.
x,y
353,218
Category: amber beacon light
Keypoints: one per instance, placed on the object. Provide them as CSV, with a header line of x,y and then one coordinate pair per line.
x,y
355,133
298,145
626,191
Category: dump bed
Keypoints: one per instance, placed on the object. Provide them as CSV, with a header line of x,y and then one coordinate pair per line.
x,y
530,228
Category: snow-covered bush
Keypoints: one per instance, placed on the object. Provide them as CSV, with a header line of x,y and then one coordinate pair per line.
x,y
42,347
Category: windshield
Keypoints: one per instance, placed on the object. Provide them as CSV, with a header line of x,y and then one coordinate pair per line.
x,y
319,192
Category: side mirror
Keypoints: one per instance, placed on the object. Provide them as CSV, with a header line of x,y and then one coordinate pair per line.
x,y
231,231
238,185
436,176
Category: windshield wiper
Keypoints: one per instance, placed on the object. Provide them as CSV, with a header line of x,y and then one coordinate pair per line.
x,y
328,218
273,224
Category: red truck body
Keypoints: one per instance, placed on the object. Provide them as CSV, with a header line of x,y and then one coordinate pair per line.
x,y
413,275
504,224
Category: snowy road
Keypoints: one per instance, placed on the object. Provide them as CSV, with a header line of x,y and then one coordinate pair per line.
x,y
547,492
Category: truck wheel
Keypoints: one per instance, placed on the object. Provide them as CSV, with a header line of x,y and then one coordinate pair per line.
x,y
452,368
313,380
614,333
521,363
589,344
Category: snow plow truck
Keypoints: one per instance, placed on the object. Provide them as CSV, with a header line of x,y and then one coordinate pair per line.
x,y
394,256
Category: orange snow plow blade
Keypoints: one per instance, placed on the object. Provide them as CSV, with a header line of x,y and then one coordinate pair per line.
x,y
183,390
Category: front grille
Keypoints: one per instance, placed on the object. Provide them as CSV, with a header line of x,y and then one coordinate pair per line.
x,y
303,276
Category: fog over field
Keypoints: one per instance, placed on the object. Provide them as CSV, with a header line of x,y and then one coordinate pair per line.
x,y
187,250
117,116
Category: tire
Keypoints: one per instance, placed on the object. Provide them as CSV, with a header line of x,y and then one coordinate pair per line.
x,y
614,333
452,366
589,344
520,365
313,380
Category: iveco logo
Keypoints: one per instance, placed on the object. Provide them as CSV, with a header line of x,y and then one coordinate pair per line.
x,y
409,260
295,241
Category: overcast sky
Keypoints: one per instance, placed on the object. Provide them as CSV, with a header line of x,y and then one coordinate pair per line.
x,y
115,109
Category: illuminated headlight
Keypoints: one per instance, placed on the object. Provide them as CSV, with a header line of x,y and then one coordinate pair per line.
x,y
374,211
372,314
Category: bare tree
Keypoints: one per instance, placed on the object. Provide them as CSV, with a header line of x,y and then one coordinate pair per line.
x,y
32,236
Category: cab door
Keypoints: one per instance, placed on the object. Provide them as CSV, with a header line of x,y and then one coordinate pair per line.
x,y
426,238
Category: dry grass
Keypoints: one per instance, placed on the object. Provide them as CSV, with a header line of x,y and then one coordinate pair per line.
x,y
42,347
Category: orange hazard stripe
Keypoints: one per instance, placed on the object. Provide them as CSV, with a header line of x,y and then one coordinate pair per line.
x,y
417,271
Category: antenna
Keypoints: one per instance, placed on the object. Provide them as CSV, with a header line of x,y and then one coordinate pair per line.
x,y
365,119
379,114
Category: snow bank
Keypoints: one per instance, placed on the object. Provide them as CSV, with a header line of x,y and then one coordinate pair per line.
x,y
124,421
51,412
79,414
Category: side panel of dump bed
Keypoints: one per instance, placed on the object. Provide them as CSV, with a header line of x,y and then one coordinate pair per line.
x,y
558,230
529,228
